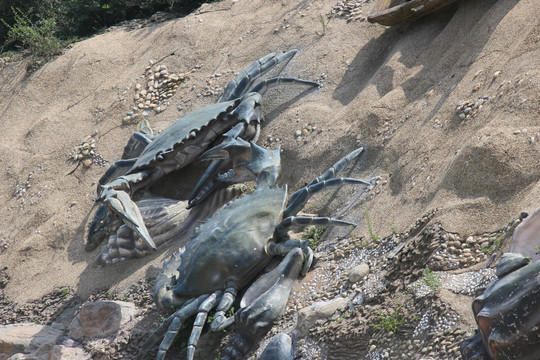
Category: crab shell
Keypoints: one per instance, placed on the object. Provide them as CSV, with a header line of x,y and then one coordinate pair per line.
x,y
508,313
231,246
188,137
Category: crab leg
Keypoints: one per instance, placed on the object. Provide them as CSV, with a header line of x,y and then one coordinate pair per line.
x,y
169,326
337,167
303,195
287,223
136,144
92,240
119,167
200,320
243,81
221,321
332,172
283,248
264,86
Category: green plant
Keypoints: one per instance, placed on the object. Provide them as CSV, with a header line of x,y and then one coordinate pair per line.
x,y
393,228
324,23
497,243
312,235
431,279
64,292
373,237
38,37
389,322
362,244
351,229
246,189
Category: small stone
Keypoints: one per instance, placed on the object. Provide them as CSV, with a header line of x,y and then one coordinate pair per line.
x,y
297,133
318,311
358,273
87,163
496,74
470,240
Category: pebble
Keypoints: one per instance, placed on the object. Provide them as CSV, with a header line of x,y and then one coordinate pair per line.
x,y
160,86
469,109
84,152
351,10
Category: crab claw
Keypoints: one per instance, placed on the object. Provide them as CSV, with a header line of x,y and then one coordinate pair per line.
x,y
235,149
279,348
263,303
121,203
231,149
266,164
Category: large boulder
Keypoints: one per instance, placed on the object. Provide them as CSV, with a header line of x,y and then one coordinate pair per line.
x,y
27,338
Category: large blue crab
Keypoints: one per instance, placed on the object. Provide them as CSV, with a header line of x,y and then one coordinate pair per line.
x,y
231,249
508,314
237,112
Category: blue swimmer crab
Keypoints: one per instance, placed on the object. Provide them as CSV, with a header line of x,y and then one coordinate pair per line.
x,y
228,252
238,110
508,314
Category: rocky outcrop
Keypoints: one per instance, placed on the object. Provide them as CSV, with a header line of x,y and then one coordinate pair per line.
x,y
27,338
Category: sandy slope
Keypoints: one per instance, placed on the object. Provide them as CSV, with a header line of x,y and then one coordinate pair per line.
x,y
397,87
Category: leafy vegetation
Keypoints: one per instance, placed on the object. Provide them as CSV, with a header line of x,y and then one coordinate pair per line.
x,y
312,235
389,322
38,37
497,243
44,27
372,235
431,279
